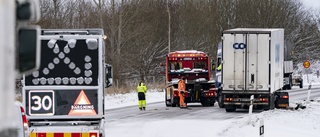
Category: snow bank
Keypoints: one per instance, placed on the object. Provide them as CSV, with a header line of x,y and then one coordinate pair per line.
x,y
130,99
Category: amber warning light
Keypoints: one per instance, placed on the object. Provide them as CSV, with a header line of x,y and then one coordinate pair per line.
x,y
187,55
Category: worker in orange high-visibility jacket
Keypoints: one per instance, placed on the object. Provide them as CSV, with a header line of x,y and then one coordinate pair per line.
x,y
182,90
142,90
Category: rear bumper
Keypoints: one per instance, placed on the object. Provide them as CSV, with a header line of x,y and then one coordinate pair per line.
x,y
246,104
64,134
65,131
189,99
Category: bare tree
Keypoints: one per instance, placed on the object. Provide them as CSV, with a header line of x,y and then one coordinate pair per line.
x,y
99,4
141,32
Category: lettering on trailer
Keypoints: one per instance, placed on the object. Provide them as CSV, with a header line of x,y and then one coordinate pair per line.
x,y
70,62
239,45
82,106
41,102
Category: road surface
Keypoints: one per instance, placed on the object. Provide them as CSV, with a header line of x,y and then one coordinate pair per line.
x,y
129,121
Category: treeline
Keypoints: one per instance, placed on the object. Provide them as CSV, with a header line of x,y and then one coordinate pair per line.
x,y
141,32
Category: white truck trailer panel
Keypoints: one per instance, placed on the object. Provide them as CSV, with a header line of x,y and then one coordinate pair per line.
x,y
7,69
252,59
288,66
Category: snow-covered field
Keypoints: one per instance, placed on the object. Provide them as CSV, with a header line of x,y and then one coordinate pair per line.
x,y
277,123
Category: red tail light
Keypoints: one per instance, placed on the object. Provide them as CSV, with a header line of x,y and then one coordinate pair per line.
x,y
24,119
263,99
213,88
284,96
93,135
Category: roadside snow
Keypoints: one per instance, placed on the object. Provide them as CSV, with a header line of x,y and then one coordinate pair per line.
x,y
130,99
277,123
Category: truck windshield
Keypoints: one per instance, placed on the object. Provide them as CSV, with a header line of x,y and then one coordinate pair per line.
x,y
175,65
199,65
188,65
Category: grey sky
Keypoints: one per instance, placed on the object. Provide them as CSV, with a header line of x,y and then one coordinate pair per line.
x,y
315,4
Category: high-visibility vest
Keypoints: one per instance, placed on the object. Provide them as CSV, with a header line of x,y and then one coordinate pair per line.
x,y
142,88
219,67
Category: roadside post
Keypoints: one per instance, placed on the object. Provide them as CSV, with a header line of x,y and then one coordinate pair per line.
x,y
261,128
250,107
306,65
309,91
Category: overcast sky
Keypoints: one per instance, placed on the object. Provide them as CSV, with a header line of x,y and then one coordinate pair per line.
x,y
312,3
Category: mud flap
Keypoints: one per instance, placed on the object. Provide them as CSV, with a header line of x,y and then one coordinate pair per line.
x,y
168,97
282,100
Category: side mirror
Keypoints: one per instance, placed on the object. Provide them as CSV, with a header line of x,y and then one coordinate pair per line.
x,y
28,10
28,49
28,36
109,75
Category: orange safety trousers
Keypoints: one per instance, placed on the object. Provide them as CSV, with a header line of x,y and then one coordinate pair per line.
x,y
182,104
182,88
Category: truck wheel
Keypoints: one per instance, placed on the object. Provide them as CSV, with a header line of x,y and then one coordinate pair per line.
x,y
271,104
301,84
205,102
212,103
284,87
231,109
289,86
175,102
168,104
220,100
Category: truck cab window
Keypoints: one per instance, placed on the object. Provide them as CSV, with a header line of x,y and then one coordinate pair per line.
x,y
175,66
199,65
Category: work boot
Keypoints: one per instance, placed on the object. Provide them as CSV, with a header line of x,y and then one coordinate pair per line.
x,y
140,109
144,108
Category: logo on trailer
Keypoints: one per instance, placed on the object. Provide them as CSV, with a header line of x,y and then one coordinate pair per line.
x,y
239,46
82,106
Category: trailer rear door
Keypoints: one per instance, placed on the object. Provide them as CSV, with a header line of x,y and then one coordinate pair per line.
x,y
246,64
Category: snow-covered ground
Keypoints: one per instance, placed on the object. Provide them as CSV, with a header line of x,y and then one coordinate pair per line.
x,y
277,123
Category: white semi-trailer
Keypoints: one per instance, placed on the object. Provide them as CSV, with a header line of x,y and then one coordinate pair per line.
x,y
252,64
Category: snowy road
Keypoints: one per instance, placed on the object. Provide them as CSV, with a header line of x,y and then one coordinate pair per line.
x,y
130,121
158,111
297,94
